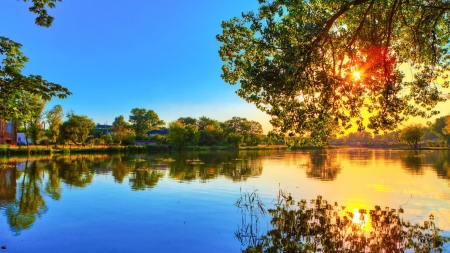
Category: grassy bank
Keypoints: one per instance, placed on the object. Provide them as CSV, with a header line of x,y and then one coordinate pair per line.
x,y
70,149
47,150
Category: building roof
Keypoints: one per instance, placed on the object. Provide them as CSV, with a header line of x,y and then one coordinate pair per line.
x,y
159,131
98,126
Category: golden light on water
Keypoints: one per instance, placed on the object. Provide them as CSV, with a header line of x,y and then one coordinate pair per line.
x,y
360,219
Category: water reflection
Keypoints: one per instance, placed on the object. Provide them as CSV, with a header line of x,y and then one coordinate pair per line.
x,y
7,183
320,226
30,204
323,165
145,178
26,183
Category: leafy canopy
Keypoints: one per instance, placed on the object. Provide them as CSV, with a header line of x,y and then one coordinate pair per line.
x,y
77,128
412,135
439,128
12,82
321,64
54,118
144,121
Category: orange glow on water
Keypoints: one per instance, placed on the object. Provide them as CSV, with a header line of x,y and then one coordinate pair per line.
x,y
360,219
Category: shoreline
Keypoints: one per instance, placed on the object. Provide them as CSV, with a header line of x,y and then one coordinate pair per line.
x,y
48,150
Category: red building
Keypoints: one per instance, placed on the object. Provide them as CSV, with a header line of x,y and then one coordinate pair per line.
x,y
8,132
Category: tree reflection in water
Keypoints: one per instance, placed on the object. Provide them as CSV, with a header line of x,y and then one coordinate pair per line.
x,y
76,171
30,204
24,189
323,166
319,226
144,178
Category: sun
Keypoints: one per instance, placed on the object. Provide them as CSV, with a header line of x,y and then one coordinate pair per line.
x,y
356,75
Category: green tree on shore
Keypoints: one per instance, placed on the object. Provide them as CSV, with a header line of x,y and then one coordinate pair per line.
x,y
144,121
121,129
439,127
412,135
250,130
54,119
77,128
29,115
182,135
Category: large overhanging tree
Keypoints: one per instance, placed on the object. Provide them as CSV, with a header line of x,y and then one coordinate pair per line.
x,y
12,83
318,66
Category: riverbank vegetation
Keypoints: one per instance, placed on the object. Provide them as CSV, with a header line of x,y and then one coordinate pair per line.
x,y
79,134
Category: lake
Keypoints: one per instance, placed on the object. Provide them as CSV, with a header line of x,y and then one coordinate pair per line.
x,y
184,202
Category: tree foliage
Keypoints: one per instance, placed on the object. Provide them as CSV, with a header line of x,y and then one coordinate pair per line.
x,y
181,134
54,119
250,130
144,121
446,129
412,135
440,127
39,8
121,129
77,128
29,115
12,83
315,65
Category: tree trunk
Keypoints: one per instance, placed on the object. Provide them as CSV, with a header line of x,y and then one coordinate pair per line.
x,y
26,134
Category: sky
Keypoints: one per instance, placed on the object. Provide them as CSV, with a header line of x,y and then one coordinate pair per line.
x,y
118,55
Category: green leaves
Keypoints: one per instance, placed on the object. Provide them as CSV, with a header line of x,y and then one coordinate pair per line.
x,y
77,128
295,60
39,8
12,83
144,121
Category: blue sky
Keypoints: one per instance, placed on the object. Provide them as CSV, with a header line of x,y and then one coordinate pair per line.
x,y
152,54
118,55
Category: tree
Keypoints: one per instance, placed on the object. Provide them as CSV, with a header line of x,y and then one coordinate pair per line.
x,y
188,121
144,121
54,119
77,128
439,128
12,83
29,115
315,65
412,135
250,130
211,134
386,138
234,139
205,121
121,129
182,135
446,129
177,133
360,136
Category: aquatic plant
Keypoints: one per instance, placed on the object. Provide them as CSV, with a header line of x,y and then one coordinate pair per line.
x,y
319,226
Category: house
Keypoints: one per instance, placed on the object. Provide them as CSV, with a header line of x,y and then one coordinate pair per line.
x,y
105,129
162,131
8,132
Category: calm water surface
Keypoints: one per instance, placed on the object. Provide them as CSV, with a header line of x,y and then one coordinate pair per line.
x,y
185,202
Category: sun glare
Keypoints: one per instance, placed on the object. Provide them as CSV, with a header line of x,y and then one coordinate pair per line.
x,y
360,218
356,75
